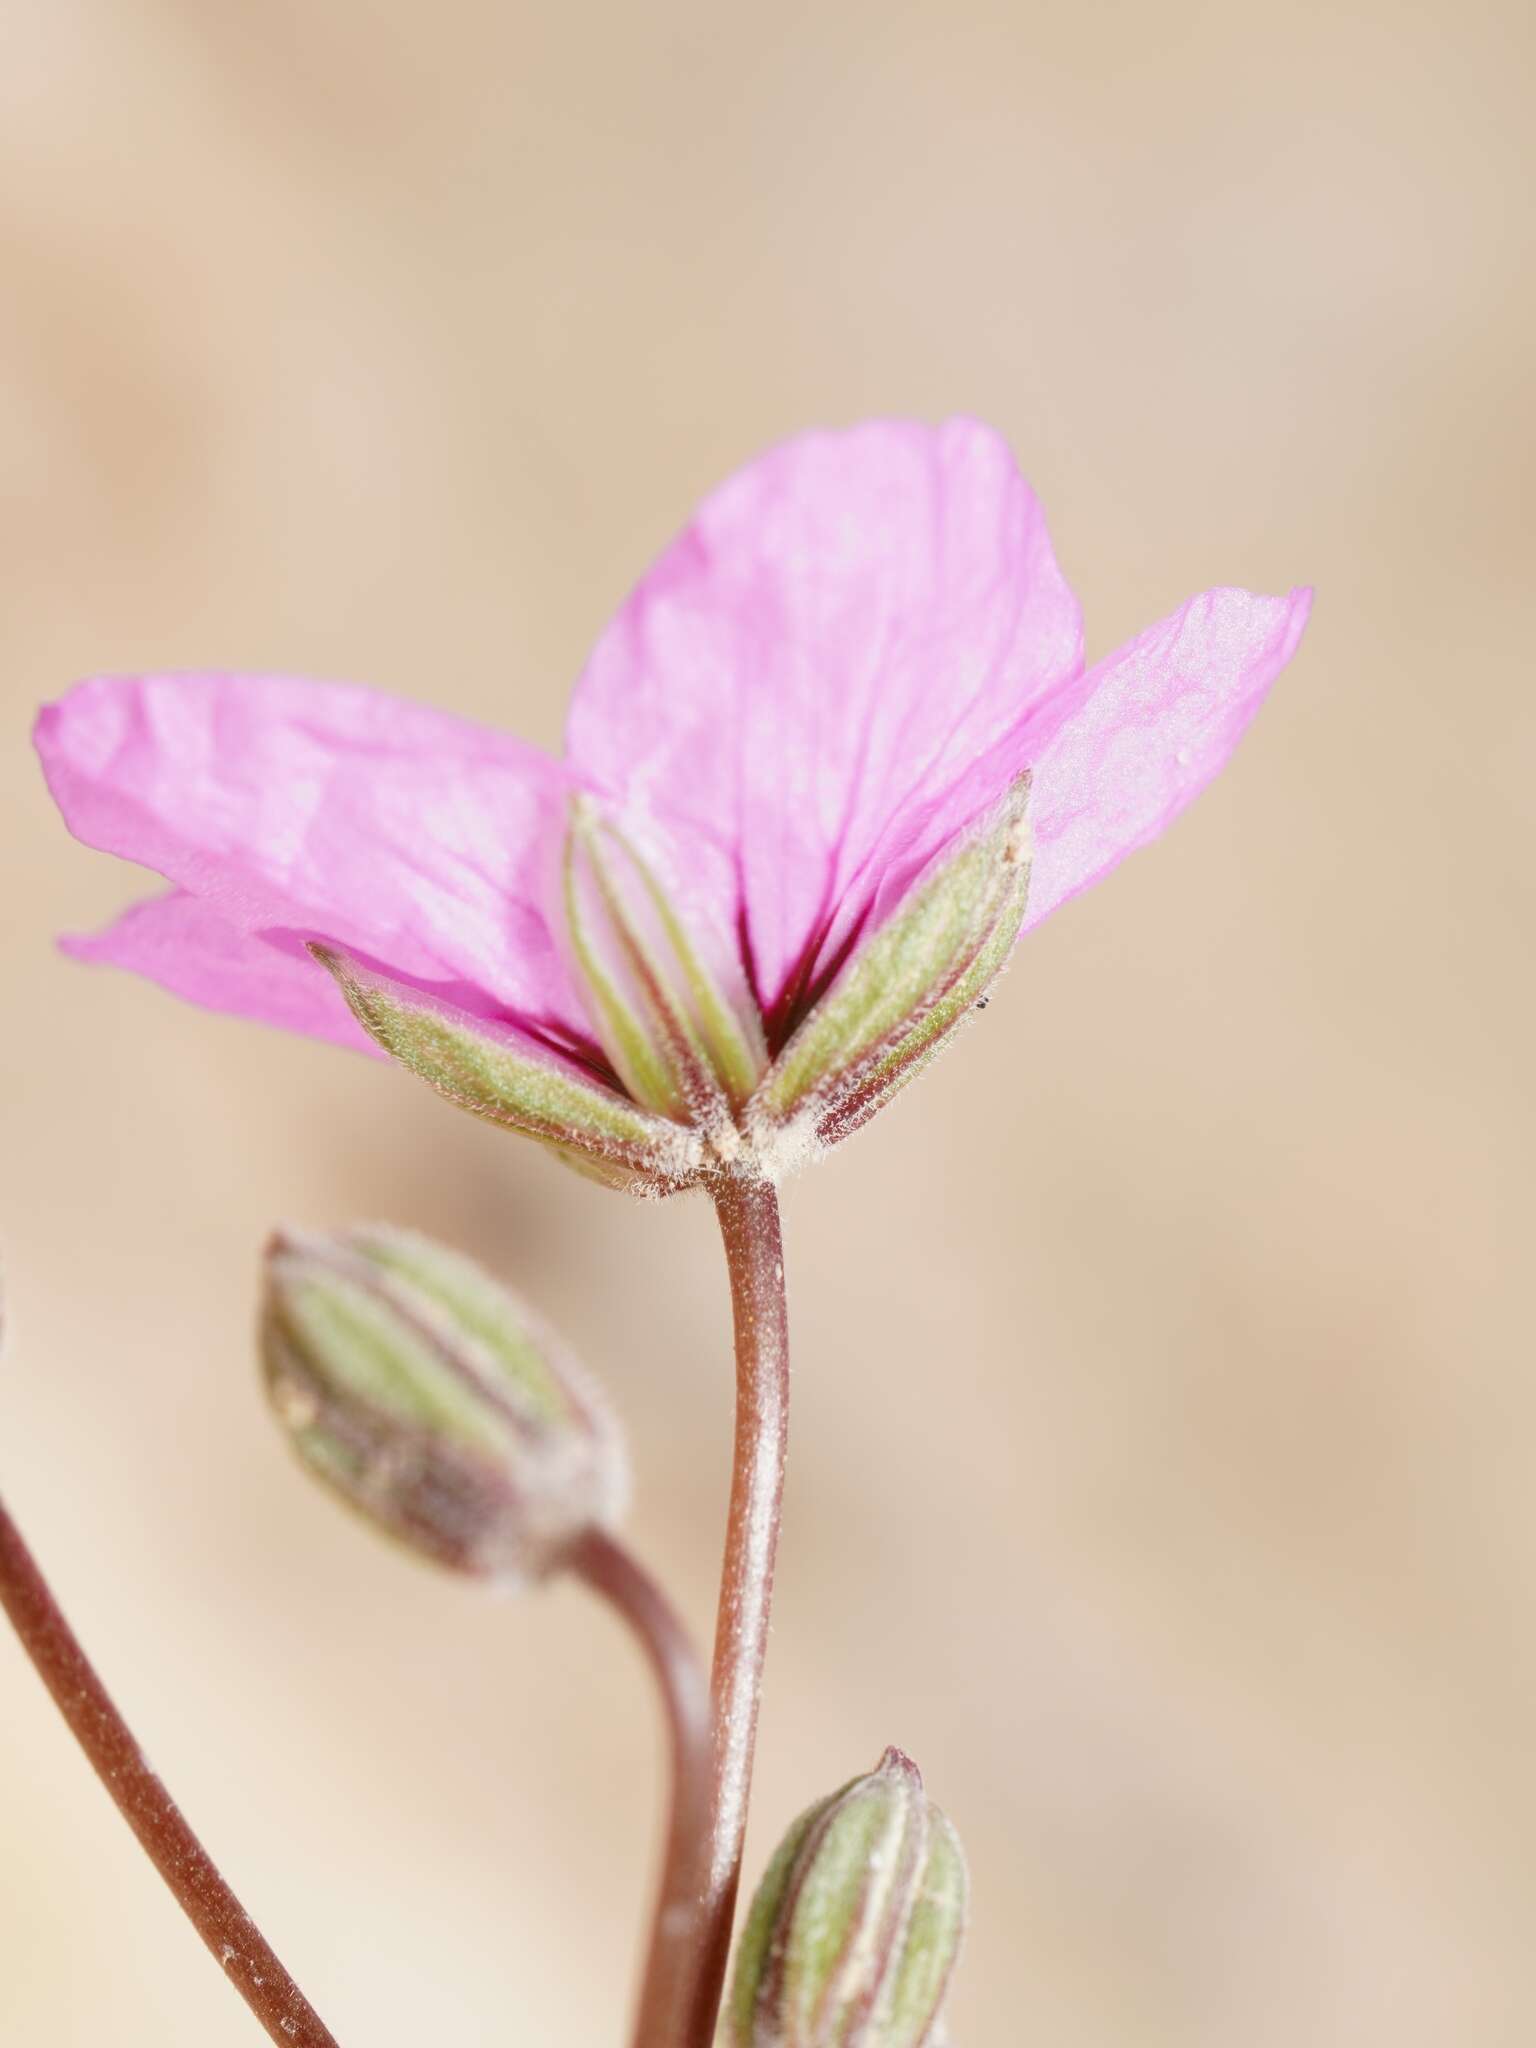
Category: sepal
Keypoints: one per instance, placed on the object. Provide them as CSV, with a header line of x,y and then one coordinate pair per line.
x,y
510,1079
900,994
671,1030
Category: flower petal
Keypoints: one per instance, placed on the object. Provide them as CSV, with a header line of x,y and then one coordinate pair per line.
x,y
324,810
1152,726
846,627
185,946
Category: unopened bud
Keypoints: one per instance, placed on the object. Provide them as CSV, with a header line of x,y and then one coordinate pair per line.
x,y
857,1923
428,1397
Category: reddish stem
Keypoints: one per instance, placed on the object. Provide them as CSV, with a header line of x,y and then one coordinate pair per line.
x,y
228,1931
754,1253
667,1989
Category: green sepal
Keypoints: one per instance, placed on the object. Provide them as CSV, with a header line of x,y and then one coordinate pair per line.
x,y
934,1929
508,1082
642,1064
753,1949
512,1354
907,985
684,1050
734,1045
863,1089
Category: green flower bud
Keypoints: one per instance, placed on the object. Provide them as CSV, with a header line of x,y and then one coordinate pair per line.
x,y
425,1395
857,1923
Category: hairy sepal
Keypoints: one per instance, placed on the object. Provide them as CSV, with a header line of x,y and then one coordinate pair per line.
x,y
507,1080
901,995
664,1021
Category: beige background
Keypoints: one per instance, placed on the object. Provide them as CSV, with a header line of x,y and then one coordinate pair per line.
x,y
1164,1472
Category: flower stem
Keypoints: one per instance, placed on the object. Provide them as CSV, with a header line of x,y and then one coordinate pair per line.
x,y
754,1254
228,1931
672,1962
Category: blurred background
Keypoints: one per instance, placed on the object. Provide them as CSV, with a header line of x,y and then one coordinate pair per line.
x,y
1164,1475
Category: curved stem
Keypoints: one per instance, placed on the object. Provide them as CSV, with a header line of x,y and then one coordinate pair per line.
x,y
228,1931
754,1253
672,1960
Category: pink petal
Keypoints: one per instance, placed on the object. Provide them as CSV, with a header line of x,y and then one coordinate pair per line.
x,y
314,809
848,627
186,947
1153,724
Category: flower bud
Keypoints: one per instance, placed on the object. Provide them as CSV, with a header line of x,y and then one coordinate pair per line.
x,y
856,1925
426,1395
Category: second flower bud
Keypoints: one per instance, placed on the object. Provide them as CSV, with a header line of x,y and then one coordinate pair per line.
x,y
857,1922
428,1397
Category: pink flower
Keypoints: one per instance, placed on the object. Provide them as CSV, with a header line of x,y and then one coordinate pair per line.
x,y
785,853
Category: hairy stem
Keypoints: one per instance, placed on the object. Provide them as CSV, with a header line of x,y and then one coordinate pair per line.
x,y
228,1931
754,1253
667,1989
